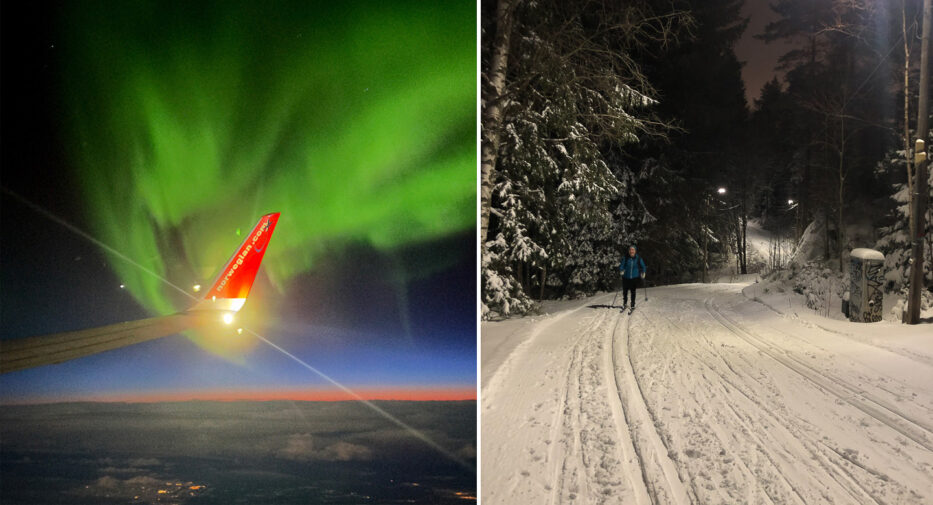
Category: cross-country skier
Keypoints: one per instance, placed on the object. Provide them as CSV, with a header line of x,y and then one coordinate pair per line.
x,y
633,270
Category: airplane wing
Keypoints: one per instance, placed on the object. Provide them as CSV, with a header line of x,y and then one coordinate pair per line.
x,y
226,296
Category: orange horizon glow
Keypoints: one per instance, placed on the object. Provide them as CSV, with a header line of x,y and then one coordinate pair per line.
x,y
311,395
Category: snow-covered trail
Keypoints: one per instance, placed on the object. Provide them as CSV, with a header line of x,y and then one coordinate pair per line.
x,y
702,396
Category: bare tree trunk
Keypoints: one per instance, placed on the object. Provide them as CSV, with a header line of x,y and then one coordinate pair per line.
x,y
738,242
705,232
803,199
826,232
840,227
744,240
543,280
921,201
492,112
738,263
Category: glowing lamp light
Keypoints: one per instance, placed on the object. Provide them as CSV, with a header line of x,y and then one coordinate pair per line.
x,y
196,288
239,331
721,191
790,202
228,318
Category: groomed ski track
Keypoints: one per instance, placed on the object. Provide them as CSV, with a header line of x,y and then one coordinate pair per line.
x,y
702,396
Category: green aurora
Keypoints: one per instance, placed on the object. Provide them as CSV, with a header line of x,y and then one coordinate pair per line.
x,y
189,120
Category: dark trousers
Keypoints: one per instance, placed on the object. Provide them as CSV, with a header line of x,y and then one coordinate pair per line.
x,y
629,285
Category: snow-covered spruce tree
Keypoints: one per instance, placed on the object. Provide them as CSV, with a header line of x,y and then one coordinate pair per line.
x,y
894,239
551,195
501,291
572,94
583,201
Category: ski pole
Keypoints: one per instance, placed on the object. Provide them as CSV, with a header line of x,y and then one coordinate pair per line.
x,y
646,290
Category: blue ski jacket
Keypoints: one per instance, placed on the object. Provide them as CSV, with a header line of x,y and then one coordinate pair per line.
x,y
631,267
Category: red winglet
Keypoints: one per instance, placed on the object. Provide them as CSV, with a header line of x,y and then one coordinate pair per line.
x,y
232,285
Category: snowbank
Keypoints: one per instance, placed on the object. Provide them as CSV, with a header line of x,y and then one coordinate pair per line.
x,y
867,254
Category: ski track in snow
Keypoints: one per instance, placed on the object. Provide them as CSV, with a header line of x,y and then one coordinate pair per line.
x,y
909,353
653,452
702,396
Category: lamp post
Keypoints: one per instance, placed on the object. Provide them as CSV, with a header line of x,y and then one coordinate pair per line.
x,y
709,208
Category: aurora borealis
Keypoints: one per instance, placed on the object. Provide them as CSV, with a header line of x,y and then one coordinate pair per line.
x,y
188,120
165,129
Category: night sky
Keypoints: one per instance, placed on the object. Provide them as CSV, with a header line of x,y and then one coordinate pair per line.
x,y
760,58
165,129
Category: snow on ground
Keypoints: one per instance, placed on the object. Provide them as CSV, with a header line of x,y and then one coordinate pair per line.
x,y
759,244
705,396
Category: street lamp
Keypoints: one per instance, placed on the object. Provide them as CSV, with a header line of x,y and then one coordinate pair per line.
x,y
795,206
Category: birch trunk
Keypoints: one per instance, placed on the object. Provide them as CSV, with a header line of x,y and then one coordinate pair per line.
x,y
492,112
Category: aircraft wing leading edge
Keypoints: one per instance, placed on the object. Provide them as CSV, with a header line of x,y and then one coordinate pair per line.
x,y
30,352
226,296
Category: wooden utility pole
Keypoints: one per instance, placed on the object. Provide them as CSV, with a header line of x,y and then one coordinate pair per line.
x,y
908,160
921,191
